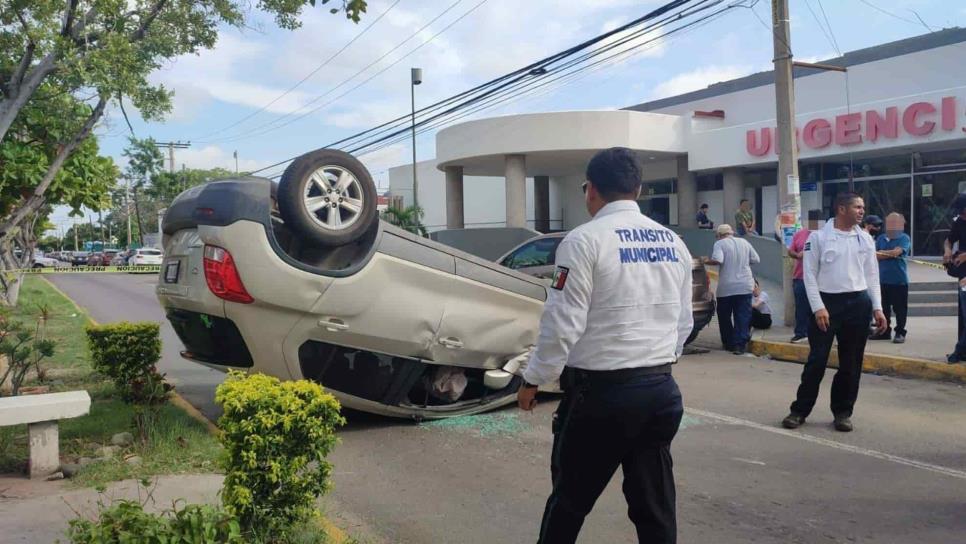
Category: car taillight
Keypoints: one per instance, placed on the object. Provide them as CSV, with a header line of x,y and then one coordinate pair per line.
x,y
222,276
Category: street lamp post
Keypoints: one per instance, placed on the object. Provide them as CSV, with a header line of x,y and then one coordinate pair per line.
x,y
416,79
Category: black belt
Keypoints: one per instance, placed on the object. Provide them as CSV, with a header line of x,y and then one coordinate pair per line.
x,y
579,376
845,295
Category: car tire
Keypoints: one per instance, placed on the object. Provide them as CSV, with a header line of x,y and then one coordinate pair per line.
x,y
38,265
327,197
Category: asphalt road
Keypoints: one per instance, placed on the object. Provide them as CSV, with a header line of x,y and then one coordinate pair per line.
x,y
899,478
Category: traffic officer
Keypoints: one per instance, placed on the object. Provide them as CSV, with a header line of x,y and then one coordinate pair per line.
x,y
616,318
842,282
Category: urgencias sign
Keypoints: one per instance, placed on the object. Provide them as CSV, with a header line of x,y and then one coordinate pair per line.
x,y
917,119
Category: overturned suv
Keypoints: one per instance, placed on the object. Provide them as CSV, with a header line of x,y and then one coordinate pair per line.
x,y
302,280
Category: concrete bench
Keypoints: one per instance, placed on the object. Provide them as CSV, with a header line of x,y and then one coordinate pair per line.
x,y
41,413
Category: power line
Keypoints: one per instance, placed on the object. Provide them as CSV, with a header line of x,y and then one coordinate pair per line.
x,y
536,69
828,35
899,17
835,42
268,127
307,76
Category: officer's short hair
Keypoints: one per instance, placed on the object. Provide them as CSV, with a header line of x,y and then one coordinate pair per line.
x,y
844,200
615,172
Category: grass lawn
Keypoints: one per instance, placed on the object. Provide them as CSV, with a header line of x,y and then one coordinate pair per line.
x,y
177,443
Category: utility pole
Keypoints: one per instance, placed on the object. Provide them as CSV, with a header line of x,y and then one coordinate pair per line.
x,y
789,200
236,161
171,147
127,210
100,219
76,244
415,79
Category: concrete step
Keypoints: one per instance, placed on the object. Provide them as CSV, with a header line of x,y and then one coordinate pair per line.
x,y
933,309
932,296
933,286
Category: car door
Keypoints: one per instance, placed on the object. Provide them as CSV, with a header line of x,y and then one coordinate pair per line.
x,y
534,258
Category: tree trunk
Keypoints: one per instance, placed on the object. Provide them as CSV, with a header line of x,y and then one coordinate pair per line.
x,y
21,91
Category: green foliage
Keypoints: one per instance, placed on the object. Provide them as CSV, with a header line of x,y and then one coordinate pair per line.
x,y
24,349
276,436
126,521
127,354
409,219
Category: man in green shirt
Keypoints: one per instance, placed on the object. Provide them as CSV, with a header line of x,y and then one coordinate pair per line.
x,y
745,218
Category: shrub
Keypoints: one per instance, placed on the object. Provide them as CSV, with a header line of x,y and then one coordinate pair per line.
x,y
276,437
23,350
126,521
126,353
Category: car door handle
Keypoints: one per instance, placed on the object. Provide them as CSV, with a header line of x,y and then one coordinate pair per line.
x,y
334,325
452,343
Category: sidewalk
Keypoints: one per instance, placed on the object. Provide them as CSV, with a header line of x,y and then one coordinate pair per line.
x,y
929,340
39,511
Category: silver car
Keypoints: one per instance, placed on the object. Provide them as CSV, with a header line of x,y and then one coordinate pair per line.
x,y
302,280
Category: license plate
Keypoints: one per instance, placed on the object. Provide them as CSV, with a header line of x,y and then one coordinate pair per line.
x,y
171,272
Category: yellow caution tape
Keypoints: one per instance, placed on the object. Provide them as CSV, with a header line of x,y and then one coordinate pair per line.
x,y
143,269
927,263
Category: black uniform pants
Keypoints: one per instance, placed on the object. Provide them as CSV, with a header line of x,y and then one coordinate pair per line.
x,y
895,298
849,316
600,426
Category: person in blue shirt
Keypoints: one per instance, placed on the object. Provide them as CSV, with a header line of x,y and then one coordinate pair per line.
x,y
891,250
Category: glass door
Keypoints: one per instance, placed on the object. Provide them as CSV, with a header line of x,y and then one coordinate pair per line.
x,y
934,193
881,196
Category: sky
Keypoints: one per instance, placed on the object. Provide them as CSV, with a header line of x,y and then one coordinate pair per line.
x,y
242,96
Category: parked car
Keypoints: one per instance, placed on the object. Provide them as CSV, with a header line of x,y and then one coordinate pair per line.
x,y
145,256
537,255
302,280
42,261
107,257
79,258
94,259
120,259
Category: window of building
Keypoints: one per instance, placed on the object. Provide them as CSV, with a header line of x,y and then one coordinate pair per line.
x,y
863,168
939,160
659,187
709,182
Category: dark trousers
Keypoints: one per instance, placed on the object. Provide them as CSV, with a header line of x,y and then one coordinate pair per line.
x,y
597,428
961,345
895,298
803,311
849,316
734,320
759,320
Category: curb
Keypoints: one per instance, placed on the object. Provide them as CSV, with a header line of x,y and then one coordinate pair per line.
x,y
906,367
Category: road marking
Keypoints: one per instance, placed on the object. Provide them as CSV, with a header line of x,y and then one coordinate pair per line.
x,y
831,443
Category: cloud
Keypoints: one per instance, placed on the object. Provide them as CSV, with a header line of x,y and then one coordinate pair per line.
x,y
213,156
698,79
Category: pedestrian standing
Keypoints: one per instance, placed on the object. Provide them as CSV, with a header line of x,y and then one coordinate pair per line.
x,y
616,318
872,224
702,218
891,250
745,218
760,310
842,282
803,312
735,284
954,257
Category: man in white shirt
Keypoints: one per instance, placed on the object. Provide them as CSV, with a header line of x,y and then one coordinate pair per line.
x,y
735,283
616,318
842,282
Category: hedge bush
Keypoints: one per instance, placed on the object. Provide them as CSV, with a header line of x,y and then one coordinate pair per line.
x,y
127,354
276,437
126,521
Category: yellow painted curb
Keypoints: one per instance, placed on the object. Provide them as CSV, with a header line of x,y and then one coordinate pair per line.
x,y
879,363
336,535
194,413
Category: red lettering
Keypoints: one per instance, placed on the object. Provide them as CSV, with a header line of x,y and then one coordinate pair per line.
x,y
876,125
848,129
949,113
756,146
911,122
817,133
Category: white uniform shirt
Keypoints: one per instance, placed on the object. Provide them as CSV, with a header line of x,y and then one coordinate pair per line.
x,y
840,262
736,256
620,298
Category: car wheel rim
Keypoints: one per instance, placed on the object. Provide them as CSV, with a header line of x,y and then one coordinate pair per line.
x,y
334,198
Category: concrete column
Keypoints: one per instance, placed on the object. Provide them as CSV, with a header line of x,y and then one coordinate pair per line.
x,y
454,197
541,203
687,195
734,191
516,191
44,448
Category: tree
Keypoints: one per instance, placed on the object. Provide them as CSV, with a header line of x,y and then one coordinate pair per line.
x,y
409,219
105,49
